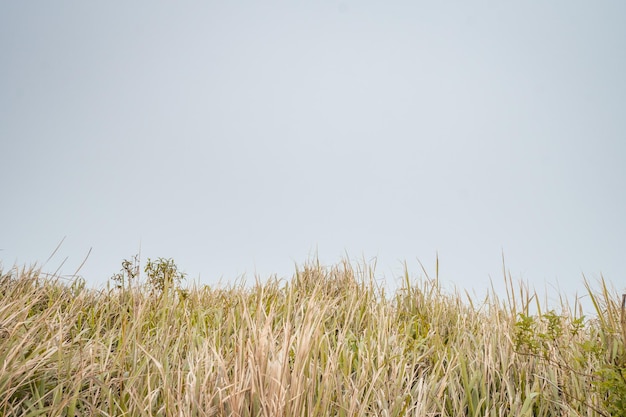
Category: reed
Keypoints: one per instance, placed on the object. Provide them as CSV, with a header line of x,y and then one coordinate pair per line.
x,y
327,342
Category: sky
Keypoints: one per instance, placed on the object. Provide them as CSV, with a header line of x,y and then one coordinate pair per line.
x,y
245,138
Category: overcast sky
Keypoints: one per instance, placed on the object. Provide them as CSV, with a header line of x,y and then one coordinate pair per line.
x,y
244,137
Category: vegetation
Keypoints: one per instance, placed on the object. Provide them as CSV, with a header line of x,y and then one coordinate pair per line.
x,y
328,342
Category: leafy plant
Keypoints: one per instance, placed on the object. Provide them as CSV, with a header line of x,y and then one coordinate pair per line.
x,y
611,384
163,275
525,334
128,274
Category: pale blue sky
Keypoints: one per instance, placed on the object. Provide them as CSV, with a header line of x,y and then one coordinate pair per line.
x,y
241,137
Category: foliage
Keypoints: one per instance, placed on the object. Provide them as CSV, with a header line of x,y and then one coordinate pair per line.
x,y
327,342
128,274
163,275
611,384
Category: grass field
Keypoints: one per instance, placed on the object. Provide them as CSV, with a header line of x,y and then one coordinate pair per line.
x,y
328,342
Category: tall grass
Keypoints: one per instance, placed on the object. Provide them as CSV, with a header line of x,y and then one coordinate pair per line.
x,y
328,342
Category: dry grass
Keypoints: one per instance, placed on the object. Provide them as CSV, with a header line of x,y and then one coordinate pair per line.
x,y
328,342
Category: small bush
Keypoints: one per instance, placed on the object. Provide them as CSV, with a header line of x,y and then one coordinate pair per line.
x,y
163,275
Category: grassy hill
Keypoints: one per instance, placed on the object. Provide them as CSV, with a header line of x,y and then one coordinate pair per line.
x,y
328,342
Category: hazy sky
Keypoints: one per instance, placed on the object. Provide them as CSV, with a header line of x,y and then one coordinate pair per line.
x,y
243,137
